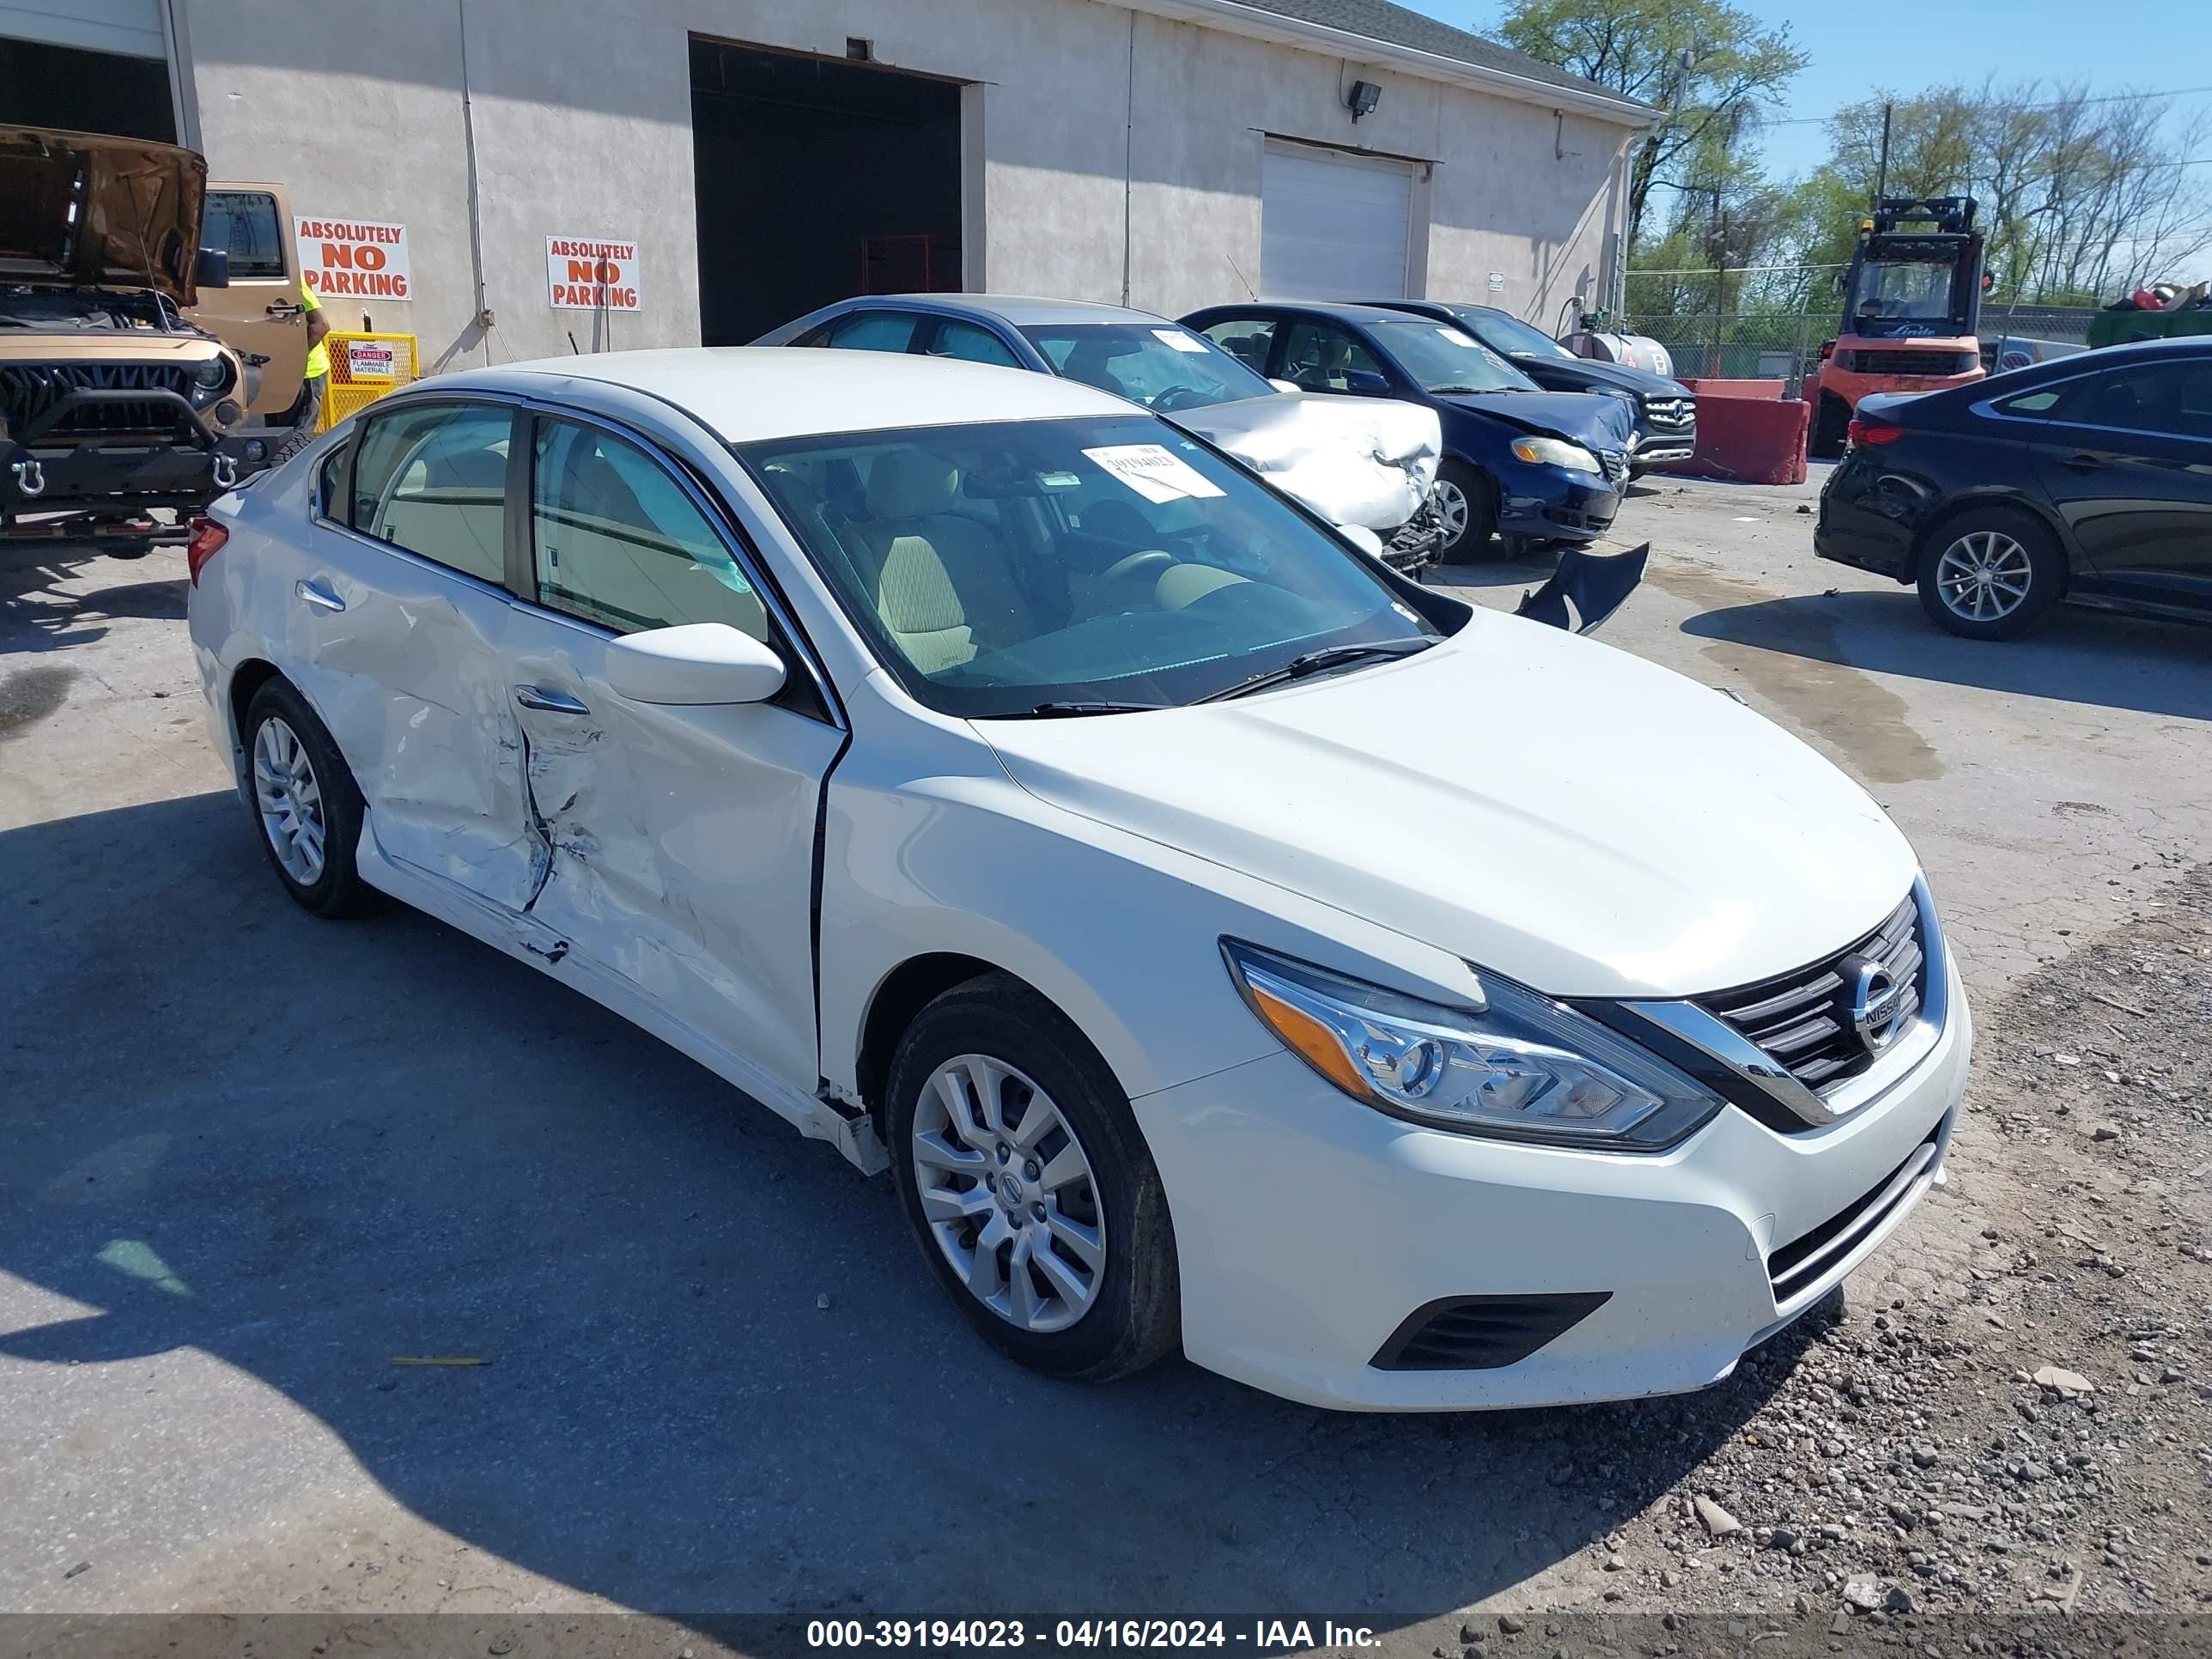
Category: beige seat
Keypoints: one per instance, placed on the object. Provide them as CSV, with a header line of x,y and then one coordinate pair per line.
x,y
943,584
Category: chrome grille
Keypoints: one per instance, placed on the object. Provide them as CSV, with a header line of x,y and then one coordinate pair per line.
x,y
1615,464
1803,1019
29,390
1670,414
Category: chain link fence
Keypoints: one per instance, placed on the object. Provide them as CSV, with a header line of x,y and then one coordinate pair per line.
x,y
1782,346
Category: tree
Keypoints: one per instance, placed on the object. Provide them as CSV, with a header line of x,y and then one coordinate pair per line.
x,y
1706,65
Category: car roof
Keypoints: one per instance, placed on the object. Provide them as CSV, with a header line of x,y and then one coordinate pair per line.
x,y
1021,310
746,393
1343,309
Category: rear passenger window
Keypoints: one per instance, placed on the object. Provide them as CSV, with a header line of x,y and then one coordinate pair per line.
x,y
971,344
873,331
433,480
616,541
1247,340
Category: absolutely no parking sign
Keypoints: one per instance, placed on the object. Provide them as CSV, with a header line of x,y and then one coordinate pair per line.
x,y
584,273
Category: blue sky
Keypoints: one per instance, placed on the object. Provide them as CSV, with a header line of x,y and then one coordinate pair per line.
x,y
2164,47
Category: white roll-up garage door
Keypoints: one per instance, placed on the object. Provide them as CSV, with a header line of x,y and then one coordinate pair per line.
x,y
1332,226
133,27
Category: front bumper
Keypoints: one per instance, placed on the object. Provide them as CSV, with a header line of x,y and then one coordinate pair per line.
x,y
125,473
1653,448
1309,1228
1554,504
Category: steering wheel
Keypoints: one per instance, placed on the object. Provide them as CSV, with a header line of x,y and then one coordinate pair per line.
x,y
1148,566
1165,399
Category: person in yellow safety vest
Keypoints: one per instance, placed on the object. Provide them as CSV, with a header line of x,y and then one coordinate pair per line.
x,y
316,379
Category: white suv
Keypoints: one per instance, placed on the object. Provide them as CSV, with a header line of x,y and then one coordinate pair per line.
x,y
1226,942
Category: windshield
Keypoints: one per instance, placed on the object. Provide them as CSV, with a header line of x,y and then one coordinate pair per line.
x,y
1160,366
1510,335
1445,358
1917,290
1000,567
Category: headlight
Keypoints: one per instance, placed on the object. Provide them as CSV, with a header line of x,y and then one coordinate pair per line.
x,y
1515,1065
212,373
1556,451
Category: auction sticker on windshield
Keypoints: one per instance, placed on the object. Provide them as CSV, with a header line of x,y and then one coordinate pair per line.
x,y
1179,340
1153,473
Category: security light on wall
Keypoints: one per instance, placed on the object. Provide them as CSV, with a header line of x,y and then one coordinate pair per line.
x,y
1362,99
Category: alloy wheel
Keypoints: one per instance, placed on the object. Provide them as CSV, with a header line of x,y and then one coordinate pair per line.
x,y
1984,576
1451,510
289,800
1008,1194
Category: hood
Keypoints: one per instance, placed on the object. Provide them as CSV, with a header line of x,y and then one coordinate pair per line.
x,y
1624,832
1557,374
1591,419
1367,461
136,219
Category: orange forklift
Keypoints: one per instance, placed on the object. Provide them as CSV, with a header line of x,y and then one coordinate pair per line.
x,y
1912,300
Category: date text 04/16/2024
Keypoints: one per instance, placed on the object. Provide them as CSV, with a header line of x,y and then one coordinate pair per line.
x,y
1257,1636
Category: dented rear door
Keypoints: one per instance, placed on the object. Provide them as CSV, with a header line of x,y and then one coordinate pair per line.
x,y
395,627
677,842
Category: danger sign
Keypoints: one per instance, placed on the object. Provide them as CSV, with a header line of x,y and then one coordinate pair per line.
x,y
370,360
354,258
582,274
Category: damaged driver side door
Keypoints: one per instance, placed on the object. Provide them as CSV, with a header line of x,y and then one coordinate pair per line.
x,y
678,841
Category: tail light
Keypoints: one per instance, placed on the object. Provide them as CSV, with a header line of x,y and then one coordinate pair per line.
x,y
1871,433
208,537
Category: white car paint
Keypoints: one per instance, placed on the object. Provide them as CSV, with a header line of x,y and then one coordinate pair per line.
x,y
1365,461
1585,824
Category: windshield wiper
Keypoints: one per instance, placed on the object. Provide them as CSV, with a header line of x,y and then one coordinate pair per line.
x,y
1315,662
1064,710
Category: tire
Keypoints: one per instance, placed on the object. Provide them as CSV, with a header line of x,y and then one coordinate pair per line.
x,y
1467,498
289,753
1832,420
1003,1047
293,443
2015,549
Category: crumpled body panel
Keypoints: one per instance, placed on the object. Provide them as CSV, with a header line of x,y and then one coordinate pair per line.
x,y
1367,461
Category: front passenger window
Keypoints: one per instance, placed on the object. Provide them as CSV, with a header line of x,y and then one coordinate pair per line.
x,y
433,480
616,541
1316,358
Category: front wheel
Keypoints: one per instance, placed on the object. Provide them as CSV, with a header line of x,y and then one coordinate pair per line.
x,y
1029,1189
1467,507
1990,575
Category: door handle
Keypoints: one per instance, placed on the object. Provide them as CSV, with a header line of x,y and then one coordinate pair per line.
x,y
314,593
551,702
286,309
2082,461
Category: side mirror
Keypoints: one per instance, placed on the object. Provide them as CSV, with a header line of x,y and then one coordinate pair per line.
x,y
1363,538
211,268
692,664
1366,383
1286,385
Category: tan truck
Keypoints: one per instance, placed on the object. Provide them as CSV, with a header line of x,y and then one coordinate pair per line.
x,y
113,402
259,314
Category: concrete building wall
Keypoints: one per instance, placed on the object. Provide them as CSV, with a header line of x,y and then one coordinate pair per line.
x,y
579,117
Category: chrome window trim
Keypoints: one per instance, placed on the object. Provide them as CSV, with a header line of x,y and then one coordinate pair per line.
x,y
1716,1039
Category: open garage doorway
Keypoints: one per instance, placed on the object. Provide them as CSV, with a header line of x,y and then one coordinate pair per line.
x,y
47,85
817,180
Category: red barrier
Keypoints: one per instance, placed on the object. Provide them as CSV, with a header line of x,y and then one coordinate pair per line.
x,y
1751,438
1768,390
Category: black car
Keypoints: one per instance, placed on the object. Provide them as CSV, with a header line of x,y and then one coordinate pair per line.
x,y
1518,462
2087,480
1666,410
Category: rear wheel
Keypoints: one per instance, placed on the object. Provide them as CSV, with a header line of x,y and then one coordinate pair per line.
x,y
305,804
1466,506
1831,422
1990,574
1029,1187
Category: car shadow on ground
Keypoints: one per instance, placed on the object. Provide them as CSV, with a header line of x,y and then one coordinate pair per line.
x,y
2075,656
37,615
306,1148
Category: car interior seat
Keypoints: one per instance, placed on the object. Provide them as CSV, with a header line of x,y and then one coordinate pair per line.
x,y
943,584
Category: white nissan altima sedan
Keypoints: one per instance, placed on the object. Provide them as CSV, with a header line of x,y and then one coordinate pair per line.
x,y
1225,943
